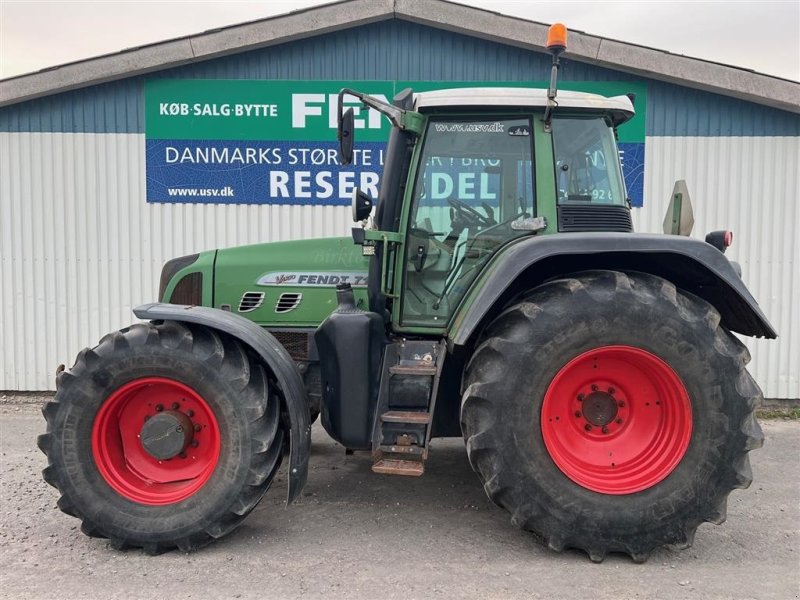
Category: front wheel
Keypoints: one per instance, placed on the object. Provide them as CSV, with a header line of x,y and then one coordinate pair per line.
x,y
164,435
610,412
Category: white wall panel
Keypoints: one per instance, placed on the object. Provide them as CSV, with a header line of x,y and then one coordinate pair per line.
x,y
750,186
79,246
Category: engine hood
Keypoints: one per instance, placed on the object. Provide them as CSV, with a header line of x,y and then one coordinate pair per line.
x,y
288,284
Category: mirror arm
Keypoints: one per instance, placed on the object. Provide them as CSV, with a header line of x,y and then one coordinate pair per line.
x,y
394,114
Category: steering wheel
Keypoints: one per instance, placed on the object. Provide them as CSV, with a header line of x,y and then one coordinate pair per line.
x,y
470,215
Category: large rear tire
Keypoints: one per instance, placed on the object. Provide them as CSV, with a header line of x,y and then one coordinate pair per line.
x,y
128,481
610,412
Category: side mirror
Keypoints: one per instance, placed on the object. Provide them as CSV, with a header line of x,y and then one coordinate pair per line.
x,y
679,219
346,133
361,205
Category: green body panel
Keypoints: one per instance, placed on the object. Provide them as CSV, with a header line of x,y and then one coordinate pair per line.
x,y
308,267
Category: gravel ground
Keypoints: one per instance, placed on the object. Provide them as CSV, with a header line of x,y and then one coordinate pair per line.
x,y
353,534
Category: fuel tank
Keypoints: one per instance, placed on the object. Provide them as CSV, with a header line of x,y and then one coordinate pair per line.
x,y
350,343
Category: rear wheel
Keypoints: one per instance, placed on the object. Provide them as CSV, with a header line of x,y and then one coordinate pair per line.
x,y
164,435
627,420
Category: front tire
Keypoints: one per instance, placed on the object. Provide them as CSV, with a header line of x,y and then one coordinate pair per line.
x,y
122,477
610,412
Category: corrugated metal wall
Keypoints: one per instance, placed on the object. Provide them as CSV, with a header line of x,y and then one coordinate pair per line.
x,y
79,246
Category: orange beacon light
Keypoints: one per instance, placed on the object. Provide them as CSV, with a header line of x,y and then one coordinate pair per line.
x,y
557,38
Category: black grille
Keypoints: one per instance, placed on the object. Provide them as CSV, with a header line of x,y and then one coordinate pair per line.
x,y
296,343
168,272
189,290
594,217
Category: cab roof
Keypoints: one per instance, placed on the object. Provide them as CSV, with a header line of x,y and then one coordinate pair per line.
x,y
619,108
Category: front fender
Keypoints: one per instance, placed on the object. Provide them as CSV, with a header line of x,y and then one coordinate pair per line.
x,y
275,358
690,264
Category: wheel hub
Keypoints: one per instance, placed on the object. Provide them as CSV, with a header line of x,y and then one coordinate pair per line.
x,y
156,441
167,434
599,408
616,419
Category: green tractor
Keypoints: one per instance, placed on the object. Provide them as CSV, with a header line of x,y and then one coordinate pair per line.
x,y
496,291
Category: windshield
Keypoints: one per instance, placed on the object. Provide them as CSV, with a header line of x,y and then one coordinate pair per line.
x,y
475,180
587,162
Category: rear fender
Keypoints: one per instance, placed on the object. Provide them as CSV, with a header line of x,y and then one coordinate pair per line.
x,y
275,359
692,265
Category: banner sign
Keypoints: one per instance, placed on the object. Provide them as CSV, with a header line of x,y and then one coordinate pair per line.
x,y
274,142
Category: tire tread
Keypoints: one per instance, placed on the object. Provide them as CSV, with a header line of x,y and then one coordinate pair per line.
x,y
519,322
257,398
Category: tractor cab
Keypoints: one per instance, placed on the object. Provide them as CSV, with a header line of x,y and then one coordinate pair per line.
x,y
484,178
480,168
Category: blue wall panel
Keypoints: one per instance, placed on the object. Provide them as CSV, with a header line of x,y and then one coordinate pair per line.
x,y
397,50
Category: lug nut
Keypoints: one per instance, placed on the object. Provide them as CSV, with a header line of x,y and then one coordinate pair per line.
x,y
611,390
587,427
175,406
194,444
618,421
604,430
159,407
580,397
621,404
578,414
197,427
182,454
594,387
190,413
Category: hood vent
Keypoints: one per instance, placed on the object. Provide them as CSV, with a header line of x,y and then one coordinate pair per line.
x,y
287,302
251,301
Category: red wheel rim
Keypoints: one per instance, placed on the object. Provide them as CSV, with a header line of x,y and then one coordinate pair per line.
x,y
128,467
616,420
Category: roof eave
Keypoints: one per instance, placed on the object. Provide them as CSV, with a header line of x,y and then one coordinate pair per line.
x,y
629,58
204,46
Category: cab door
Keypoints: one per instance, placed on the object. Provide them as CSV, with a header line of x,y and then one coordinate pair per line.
x,y
473,182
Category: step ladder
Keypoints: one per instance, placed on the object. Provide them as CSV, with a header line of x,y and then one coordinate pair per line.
x,y
406,404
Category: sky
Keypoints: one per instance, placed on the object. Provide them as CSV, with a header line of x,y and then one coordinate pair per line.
x,y
763,35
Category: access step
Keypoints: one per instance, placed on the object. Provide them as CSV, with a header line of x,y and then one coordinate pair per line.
x,y
413,450
391,466
406,416
428,370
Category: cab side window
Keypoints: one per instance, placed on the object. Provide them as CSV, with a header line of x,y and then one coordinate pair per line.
x,y
586,162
